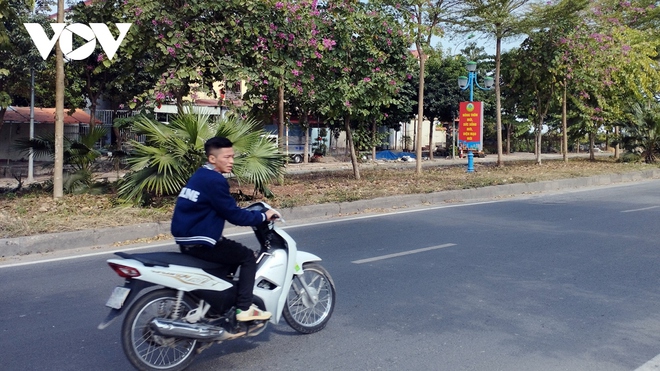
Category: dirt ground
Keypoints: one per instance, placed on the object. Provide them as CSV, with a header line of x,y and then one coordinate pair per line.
x,y
314,183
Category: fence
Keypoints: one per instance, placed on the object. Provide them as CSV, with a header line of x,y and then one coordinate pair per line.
x,y
106,118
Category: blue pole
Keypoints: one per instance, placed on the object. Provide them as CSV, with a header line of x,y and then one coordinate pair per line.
x,y
471,82
470,156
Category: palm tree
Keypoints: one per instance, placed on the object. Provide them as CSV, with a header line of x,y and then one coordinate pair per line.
x,y
79,155
643,131
173,152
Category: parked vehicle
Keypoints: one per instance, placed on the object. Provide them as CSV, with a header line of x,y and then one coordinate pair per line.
x,y
294,151
192,305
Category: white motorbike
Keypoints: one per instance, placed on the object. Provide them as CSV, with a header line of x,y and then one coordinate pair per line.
x,y
190,302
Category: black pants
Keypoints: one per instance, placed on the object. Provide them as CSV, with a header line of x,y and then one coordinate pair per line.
x,y
233,254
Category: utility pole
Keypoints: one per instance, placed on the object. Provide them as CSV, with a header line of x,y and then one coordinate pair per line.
x,y
31,156
59,111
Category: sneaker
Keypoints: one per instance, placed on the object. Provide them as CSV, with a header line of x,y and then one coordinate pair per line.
x,y
253,313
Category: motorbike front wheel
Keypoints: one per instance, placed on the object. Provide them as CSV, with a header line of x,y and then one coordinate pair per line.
x,y
148,351
311,300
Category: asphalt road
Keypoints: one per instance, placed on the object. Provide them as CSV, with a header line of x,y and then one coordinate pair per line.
x,y
564,281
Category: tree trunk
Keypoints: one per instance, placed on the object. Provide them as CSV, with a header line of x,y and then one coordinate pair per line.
x,y
536,141
305,125
92,115
564,124
539,142
280,117
431,146
2,116
592,142
508,139
351,147
373,148
498,101
58,184
616,148
420,110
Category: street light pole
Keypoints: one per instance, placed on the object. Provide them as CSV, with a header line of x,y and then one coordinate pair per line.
x,y
465,82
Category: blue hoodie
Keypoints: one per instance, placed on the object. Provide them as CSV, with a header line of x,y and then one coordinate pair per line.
x,y
204,205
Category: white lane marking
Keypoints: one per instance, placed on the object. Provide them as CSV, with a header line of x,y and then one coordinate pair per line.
x,y
652,365
642,209
403,253
82,256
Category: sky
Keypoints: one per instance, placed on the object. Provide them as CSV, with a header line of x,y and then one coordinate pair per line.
x,y
488,43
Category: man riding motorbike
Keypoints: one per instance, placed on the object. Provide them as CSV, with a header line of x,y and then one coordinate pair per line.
x,y
200,212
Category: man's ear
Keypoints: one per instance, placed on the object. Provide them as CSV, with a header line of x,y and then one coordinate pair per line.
x,y
211,159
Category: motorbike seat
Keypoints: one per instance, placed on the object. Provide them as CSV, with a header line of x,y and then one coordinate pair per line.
x,y
165,259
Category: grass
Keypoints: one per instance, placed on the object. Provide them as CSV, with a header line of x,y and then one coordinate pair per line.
x,y
37,212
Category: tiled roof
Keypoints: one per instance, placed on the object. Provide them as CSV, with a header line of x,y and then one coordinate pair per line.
x,y
44,116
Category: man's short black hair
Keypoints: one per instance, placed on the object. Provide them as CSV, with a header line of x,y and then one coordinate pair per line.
x,y
216,143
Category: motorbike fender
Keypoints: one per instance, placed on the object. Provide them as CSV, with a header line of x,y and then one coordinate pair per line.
x,y
303,257
136,286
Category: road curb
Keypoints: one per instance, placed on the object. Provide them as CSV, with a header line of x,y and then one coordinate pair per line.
x,y
45,243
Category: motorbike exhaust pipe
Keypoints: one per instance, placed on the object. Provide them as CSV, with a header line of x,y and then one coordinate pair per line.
x,y
197,331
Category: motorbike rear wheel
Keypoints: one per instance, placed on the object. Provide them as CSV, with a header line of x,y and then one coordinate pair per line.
x,y
309,311
148,351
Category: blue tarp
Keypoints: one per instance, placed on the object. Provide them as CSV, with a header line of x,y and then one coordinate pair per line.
x,y
389,155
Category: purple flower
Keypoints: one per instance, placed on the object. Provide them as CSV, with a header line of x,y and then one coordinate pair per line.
x,y
295,72
347,104
366,79
279,5
329,43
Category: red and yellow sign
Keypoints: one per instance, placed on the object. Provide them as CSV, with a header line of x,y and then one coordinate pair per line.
x,y
470,125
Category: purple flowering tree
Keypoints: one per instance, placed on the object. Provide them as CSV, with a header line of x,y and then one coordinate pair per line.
x,y
283,61
365,68
190,45
609,61
118,80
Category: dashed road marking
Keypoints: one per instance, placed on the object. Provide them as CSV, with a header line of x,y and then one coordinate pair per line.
x,y
642,209
652,365
403,253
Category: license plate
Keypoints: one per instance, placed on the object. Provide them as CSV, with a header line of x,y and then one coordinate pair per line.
x,y
117,298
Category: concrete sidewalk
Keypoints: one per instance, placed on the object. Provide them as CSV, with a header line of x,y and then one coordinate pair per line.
x,y
95,239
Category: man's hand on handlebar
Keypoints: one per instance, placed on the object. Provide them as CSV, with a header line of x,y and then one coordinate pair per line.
x,y
272,215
